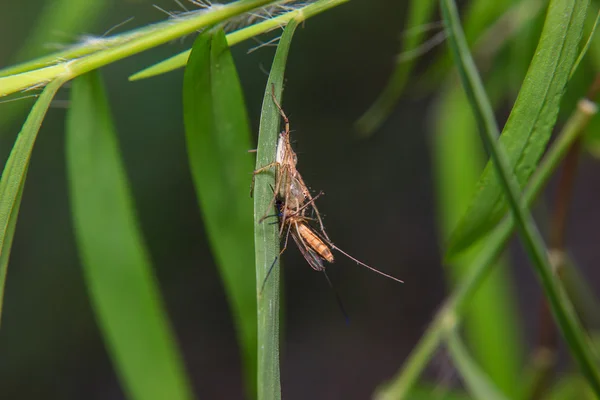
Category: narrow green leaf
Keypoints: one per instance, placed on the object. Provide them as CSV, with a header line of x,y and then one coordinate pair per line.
x,y
13,178
419,13
218,139
116,264
530,124
560,304
266,236
477,383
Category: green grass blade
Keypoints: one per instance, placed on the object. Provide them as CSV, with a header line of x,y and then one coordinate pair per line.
x,y
454,307
218,139
477,383
266,236
419,13
116,264
13,178
490,323
233,38
530,124
561,306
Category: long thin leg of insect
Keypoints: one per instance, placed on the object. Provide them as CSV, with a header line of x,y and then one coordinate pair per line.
x,y
258,171
309,203
274,261
363,264
314,206
298,211
273,200
285,118
337,297
285,243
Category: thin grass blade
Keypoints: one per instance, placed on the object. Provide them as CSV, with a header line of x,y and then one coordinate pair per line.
x,y
218,139
530,124
117,269
266,236
560,304
14,175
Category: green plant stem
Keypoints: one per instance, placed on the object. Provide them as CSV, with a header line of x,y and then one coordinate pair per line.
x,y
158,34
233,38
451,312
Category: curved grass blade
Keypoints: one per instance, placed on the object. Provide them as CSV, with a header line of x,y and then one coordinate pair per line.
x,y
475,380
116,264
419,13
266,236
14,175
218,139
563,311
530,124
233,38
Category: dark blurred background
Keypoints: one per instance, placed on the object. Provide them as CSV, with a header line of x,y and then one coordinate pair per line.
x,y
379,206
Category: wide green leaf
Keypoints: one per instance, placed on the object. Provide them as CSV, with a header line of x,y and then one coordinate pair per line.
x,y
266,236
218,139
13,178
116,264
531,121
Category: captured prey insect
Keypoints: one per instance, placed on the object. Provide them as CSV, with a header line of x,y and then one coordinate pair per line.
x,y
315,247
289,185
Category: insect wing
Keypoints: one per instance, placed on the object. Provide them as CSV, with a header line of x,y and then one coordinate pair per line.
x,y
311,257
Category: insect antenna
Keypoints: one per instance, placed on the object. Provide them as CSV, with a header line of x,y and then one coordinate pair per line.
x,y
337,298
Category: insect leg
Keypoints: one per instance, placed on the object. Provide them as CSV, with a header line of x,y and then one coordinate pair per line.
x,y
258,171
